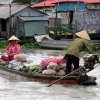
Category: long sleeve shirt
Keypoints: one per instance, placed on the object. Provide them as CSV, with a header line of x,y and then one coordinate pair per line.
x,y
77,46
12,50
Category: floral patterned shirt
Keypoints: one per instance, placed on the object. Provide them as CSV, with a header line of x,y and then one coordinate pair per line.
x,y
12,50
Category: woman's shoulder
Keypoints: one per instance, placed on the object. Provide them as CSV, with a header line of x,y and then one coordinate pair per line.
x,y
78,39
85,41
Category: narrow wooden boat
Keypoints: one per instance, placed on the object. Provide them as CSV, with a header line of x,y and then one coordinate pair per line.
x,y
54,44
61,44
25,76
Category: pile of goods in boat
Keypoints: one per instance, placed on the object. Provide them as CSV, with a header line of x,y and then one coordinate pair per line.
x,y
32,68
53,66
90,60
48,66
55,69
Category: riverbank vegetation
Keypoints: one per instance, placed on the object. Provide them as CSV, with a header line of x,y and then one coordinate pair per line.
x,y
3,44
94,47
31,45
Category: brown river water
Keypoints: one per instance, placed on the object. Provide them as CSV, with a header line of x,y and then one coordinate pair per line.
x,y
13,89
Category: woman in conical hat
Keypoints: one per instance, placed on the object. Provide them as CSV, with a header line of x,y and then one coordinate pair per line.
x,y
12,49
78,45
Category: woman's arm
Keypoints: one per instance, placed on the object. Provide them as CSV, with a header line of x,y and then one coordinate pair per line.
x,y
87,45
17,49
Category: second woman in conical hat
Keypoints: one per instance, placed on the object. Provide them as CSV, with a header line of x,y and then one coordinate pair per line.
x,y
12,49
78,45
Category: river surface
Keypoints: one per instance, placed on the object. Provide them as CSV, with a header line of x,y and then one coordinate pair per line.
x,y
11,89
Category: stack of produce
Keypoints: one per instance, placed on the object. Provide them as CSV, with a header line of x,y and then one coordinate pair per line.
x,y
45,62
53,66
55,69
48,66
32,68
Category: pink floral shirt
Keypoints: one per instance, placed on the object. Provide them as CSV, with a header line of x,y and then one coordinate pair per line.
x,y
12,50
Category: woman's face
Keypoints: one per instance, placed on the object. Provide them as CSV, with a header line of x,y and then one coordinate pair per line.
x,y
13,41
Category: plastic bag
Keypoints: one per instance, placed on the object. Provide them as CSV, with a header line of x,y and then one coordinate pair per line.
x,y
20,57
53,66
49,72
44,63
58,60
14,63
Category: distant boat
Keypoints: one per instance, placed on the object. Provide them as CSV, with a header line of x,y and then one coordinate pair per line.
x,y
55,44
60,44
94,35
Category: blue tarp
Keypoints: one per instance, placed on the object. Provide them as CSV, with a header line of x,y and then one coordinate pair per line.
x,y
70,6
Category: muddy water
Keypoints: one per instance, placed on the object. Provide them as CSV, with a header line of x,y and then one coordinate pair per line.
x,y
11,89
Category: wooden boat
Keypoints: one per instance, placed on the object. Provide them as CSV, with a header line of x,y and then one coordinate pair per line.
x,y
55,44
94,35
25,76
26,72
61,44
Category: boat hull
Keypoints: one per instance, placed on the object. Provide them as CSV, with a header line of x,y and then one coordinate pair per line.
x,y
21,76
25,76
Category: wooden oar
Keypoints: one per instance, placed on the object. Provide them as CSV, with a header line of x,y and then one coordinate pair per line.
x,y
64,76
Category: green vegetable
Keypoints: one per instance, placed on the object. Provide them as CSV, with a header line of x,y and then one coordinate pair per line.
x,y
32,68
25,69
20,69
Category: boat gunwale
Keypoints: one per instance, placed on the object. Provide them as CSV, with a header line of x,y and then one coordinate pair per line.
x,y
38,76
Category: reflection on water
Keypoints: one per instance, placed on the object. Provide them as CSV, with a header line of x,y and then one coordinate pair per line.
x,y
11,89
39,91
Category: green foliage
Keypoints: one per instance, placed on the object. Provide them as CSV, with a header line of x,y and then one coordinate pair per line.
x,y
95,47
30,45
69,26
65,48
60,30
3,44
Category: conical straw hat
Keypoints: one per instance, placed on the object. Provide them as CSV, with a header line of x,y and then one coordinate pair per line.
x,y
13,38
83,34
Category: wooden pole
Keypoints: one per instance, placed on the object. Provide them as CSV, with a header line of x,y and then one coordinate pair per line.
x,y
65,76
10,22
44,7
76,17
55,27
